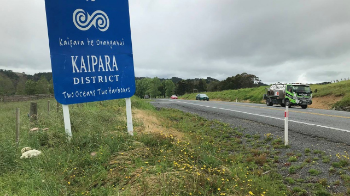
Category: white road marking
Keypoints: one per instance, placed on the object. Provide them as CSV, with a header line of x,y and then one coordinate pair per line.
x,y
310,124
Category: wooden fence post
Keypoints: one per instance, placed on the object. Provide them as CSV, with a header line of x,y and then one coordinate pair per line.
x,y
33,114
17,124
48,106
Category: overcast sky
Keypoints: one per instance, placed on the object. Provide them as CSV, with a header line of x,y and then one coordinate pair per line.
x,y
278,41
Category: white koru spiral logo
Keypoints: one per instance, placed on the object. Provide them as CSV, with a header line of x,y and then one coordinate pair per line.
x,y
83,20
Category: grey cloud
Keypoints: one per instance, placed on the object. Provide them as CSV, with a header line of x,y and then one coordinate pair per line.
x,y
24,40
275,40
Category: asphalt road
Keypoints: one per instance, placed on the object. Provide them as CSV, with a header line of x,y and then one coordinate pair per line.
x,y
330,125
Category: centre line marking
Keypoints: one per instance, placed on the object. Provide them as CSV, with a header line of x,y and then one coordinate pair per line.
x,y
336,116
299,122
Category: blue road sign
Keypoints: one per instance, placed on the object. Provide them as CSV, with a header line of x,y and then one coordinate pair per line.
x,y
91,50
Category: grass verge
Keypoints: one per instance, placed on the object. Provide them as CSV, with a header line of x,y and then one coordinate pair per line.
x,y
210,157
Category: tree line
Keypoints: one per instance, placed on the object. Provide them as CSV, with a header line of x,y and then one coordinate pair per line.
x,y
156,87
12,83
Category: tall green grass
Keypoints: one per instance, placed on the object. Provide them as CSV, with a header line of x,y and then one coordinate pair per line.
x,y
211,158
102,159
336,89
64,167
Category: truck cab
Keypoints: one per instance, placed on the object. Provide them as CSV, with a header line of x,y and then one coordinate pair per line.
x,y
299,94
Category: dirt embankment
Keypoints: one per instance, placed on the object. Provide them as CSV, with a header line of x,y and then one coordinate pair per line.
x,y
325,102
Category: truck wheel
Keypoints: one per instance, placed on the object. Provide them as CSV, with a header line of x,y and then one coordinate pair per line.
x,y
288,104
304,106
269,102
283,105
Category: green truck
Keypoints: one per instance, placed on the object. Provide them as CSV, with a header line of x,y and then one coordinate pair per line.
x,y
294,94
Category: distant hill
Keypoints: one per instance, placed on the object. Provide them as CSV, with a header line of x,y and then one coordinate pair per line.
x,y
19,85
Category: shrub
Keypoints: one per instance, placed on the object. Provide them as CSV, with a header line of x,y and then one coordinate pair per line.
x,y
314,172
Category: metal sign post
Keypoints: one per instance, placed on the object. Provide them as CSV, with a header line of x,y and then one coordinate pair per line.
x,y
91,50
67,124
129,116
